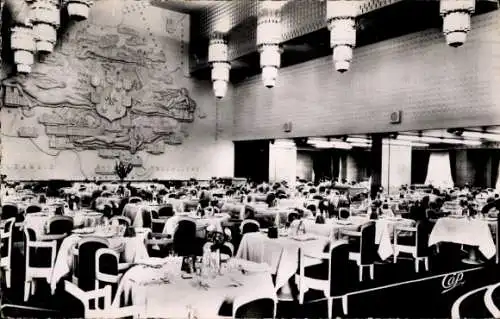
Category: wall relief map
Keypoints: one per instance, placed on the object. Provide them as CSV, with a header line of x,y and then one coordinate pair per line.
x,y
106,89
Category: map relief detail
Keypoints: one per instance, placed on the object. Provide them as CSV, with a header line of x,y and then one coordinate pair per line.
x,y
106,88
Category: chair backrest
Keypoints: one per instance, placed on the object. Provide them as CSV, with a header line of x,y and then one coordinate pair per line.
x,y
106,267
256,308
339,269
9,211
185,237
61,225
368,247
146,218
135,200
166,211
85,268
344,213
249,226
33,209
6,239
292,216
422,240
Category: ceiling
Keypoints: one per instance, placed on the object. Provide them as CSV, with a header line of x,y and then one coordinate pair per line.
x,y
184,6
394,20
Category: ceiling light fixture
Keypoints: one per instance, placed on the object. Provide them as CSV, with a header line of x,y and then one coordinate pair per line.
x,y
269,40
218,59
456,20
340,17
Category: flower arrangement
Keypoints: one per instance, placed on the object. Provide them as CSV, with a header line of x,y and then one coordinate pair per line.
x,y
122,169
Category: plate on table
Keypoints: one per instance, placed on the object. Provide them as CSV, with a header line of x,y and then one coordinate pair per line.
x,y
457,216
250,266
141,230
84,231
305,237
154,262
344,222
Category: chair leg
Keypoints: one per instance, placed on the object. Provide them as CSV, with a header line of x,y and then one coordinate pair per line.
x,y
372,271
360,272
7,278
344,304
417,261
33,284
330,306
395,256
426,263
27,290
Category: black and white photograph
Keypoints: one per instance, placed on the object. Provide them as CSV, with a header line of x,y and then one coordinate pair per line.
x,y
191,159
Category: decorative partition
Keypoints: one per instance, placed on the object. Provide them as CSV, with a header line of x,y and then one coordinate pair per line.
x,y
115,88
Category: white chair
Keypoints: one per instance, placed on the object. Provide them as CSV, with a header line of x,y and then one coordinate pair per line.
x,y
249,225
332,281
34,271
364,248
240,303
417,246
6,249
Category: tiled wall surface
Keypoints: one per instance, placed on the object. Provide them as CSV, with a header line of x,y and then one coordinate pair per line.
x,y
433,84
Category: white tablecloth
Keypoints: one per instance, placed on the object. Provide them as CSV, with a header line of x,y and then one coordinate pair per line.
x,y
474,232
174,298
201,223
134,250
281,254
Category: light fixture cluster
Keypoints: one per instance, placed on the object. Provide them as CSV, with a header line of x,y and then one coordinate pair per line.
x,y
269,39
340,18
38,33
456,20
219,61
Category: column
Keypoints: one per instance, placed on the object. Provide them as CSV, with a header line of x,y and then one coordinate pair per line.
x,y
376,165
351,168
283,162
396,165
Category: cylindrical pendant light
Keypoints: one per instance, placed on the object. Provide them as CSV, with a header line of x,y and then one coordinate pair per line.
x,y
45,15
23,45
269,39
340,17
79,9
456,20
218,59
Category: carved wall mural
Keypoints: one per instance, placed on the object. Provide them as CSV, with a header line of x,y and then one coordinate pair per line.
x,y
109,88
115,87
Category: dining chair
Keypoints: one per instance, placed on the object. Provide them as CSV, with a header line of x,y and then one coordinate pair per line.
x,y
9,211
292,216
60,225
166,211
329,276
362,247
185,238
249,226
414,241
33,209
344,213
135,200
84,261
6,237
158,244
254,307
107,269
40,257
146,217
